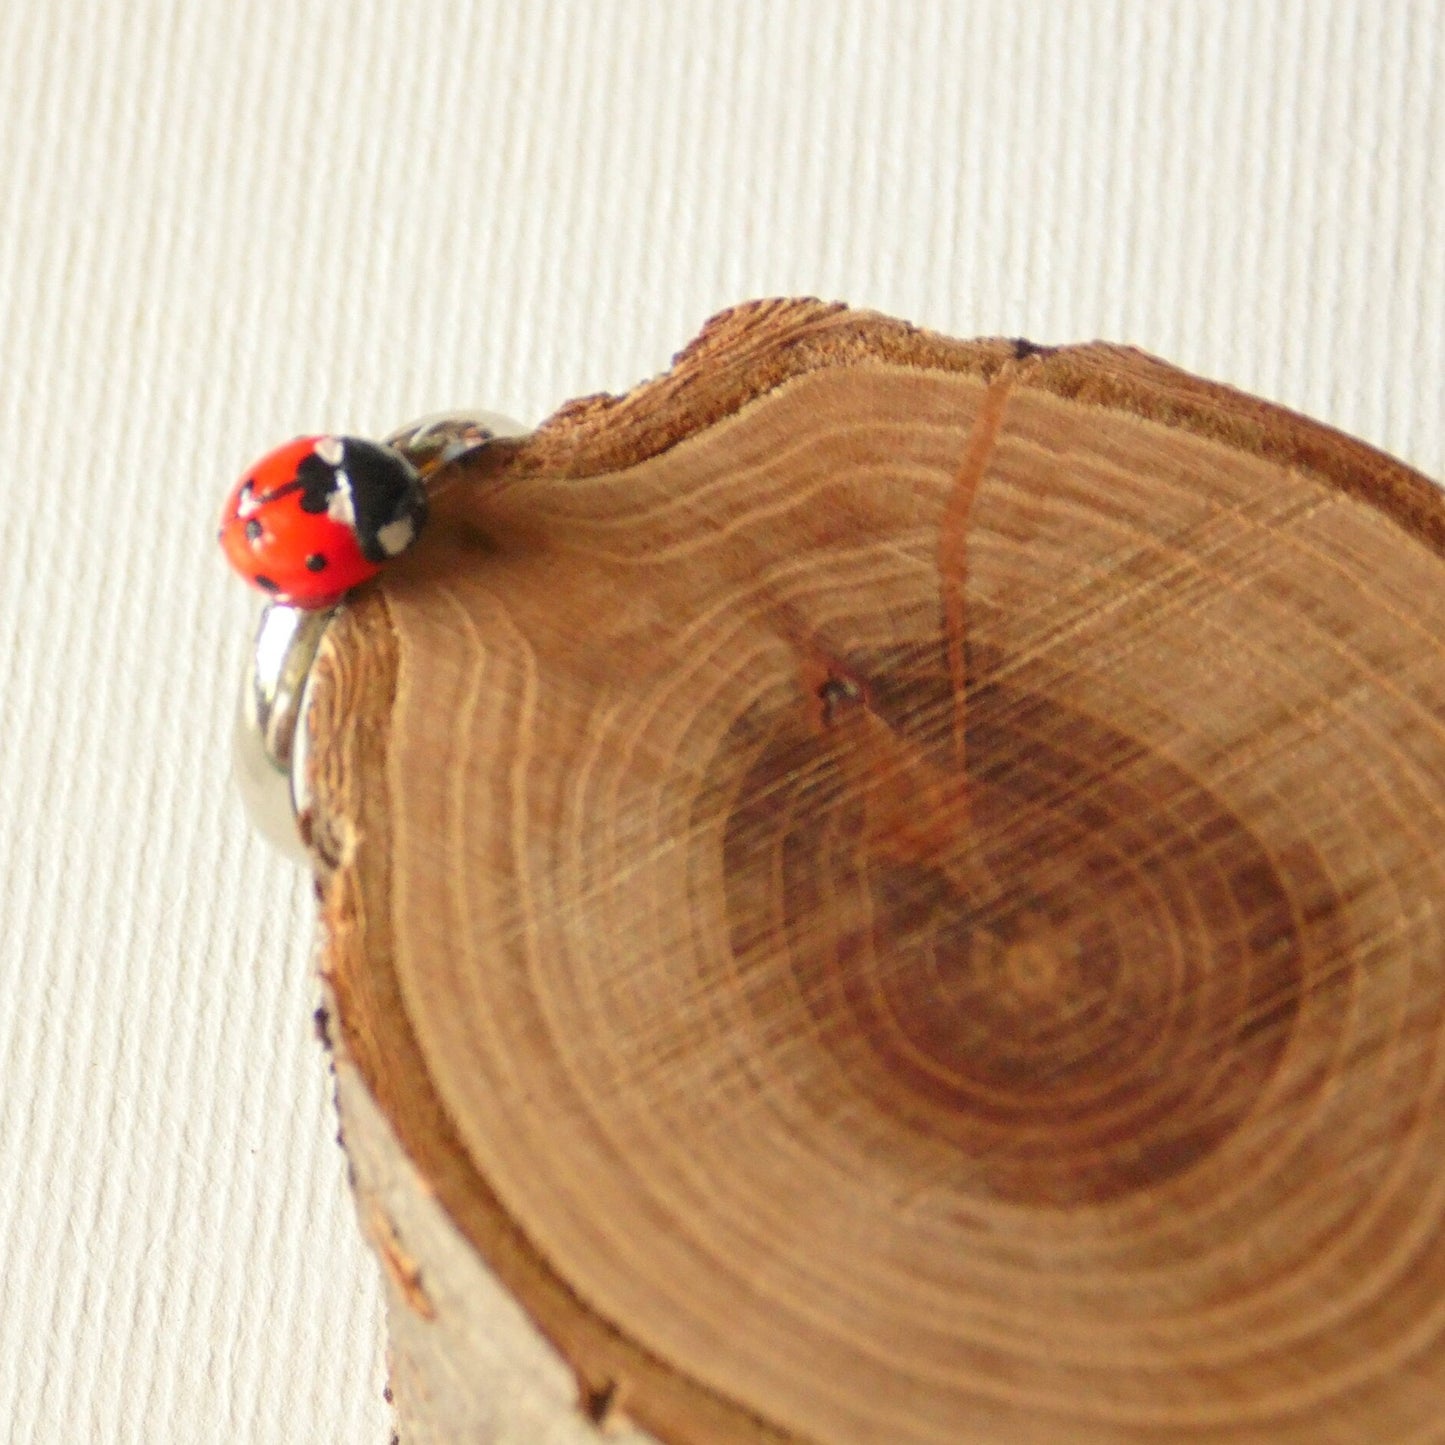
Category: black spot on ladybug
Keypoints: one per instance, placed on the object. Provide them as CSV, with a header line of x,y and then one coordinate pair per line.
x,y
317,480
316,562
265,583
253,530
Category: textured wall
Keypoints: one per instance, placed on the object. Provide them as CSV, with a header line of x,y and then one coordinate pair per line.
x,y
224,224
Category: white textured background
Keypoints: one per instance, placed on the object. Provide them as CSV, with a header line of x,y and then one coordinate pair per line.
x,y
225,223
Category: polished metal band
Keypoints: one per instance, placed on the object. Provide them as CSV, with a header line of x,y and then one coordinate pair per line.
x,y
270,740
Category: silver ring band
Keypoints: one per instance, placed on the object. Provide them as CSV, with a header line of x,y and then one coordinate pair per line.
x,y
270,739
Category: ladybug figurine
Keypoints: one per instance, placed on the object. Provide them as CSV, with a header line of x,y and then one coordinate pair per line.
x,y
319,516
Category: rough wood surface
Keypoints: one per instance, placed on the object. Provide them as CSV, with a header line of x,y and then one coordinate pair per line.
x,y
887,890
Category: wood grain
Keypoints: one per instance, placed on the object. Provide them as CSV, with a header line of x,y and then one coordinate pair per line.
x,y
887,889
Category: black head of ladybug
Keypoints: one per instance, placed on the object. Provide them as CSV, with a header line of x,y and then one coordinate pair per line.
x,y
370,487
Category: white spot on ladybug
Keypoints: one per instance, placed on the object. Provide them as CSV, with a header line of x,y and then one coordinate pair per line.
x,y
247,500
397,536
341,508
329,449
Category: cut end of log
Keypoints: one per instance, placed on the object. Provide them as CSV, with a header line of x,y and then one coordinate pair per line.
x,y
890,891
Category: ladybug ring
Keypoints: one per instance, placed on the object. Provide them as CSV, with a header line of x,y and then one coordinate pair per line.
x,y
309,522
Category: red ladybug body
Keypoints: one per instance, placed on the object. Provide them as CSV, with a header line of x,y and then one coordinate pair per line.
x,y
319,516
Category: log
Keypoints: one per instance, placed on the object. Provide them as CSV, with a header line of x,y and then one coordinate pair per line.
x,y
885,889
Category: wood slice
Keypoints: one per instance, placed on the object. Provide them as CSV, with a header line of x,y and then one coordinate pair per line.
x,y
880,889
